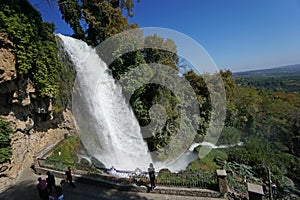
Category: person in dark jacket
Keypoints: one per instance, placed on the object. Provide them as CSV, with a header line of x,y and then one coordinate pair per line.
x,y
151,171
50,181
69,177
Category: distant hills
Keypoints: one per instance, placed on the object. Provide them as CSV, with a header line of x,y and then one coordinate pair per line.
x,y
278,71
290,70
280,79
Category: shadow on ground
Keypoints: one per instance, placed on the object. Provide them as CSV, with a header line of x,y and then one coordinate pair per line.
x,y
27,190
23,190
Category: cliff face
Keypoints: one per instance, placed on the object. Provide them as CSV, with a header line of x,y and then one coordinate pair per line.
x,y
7,61
31,117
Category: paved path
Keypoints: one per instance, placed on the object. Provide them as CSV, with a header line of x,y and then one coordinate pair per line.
x,y
25,189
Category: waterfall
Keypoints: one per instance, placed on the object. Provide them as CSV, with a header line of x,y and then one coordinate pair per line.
x,y
106,124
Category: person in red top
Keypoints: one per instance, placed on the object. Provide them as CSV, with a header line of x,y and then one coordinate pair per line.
x,y
42,188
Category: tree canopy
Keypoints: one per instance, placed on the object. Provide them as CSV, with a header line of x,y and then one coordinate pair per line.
x,y
103,18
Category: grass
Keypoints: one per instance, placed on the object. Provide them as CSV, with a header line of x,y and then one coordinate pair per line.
x,y
208,163
68,157
67,149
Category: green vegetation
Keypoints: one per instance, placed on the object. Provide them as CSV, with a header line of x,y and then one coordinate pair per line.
x,y
208,163
66,154
5,148
267,124
105,18
282,79
188,179
66,80
35,48
290,84
68,149
262,112
229,136
265,121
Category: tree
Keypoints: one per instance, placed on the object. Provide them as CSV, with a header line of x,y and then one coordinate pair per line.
x,y
229,136
155,54
71,13
104,18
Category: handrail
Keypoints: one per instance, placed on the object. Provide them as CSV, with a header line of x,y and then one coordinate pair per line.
x,y
183,179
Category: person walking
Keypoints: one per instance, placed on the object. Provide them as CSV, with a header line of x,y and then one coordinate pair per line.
x,y
69,177
151,171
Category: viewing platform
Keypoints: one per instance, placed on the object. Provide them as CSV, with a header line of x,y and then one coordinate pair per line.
x,y
131,182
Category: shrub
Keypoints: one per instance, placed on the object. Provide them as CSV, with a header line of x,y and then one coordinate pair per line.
x,y
5,148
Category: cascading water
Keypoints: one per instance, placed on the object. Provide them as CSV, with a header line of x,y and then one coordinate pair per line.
x,y
106,124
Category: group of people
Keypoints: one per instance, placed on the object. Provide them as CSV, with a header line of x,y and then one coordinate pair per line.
x,y
45,186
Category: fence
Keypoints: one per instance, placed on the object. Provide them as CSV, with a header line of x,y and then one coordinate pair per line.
x,y
189,179
164,178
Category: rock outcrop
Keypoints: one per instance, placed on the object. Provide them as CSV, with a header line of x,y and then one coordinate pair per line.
x,y
7,60
30,116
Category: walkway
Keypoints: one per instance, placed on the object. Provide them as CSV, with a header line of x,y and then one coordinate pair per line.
x,y
25,189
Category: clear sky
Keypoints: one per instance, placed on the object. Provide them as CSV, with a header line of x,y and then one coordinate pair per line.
x,y
238,34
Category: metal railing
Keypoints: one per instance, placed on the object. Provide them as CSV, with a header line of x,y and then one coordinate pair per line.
x,y
189,179
183,179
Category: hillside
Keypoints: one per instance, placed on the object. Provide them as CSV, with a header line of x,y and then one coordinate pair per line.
x,y
280,79
291,70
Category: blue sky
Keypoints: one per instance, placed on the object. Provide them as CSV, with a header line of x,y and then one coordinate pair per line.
x,y
238,34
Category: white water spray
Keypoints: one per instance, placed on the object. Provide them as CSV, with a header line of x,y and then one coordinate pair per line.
x,y
102,116
105,122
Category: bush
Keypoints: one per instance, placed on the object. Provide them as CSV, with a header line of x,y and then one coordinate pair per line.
x,y
5,148
208,162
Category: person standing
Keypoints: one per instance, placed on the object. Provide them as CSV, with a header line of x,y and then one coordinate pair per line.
x,y
42,188
151,171
50,181
33,168
69,177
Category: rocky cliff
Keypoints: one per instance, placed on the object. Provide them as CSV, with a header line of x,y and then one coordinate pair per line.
x,y
31,118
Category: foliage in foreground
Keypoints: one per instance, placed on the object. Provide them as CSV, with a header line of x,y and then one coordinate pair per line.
x,y
5,148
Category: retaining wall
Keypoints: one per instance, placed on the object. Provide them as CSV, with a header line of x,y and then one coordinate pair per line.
x,y
113,182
